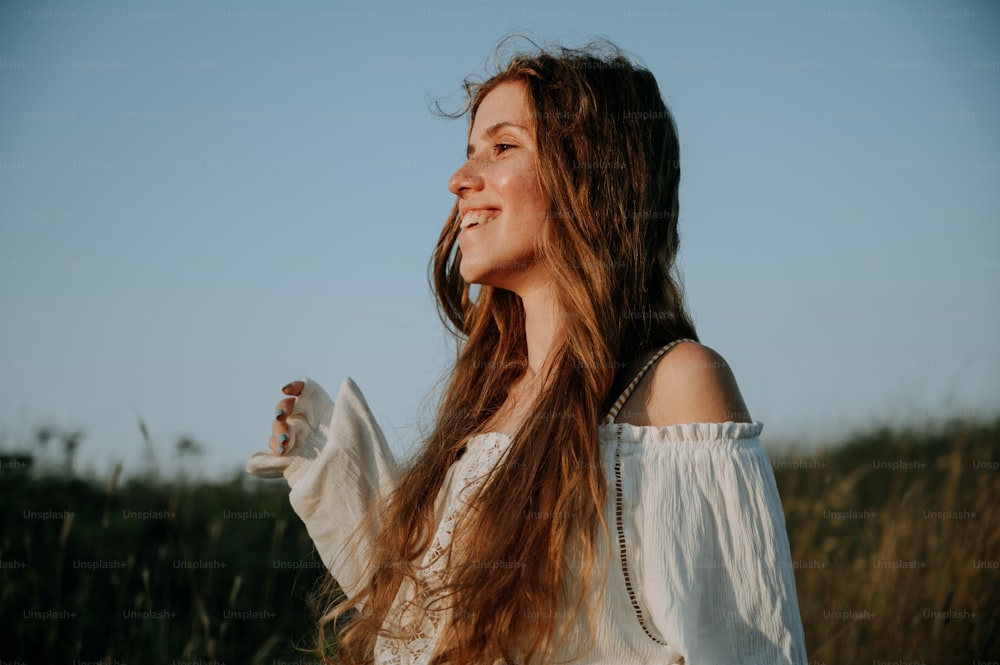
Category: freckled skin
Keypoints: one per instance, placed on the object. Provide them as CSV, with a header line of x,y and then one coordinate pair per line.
x,y
501,175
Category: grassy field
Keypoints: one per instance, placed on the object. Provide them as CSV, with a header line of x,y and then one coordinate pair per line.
x,y
895,537
895,541
154,573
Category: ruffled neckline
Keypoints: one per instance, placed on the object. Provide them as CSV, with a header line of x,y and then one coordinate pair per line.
x,y
681,433
628,433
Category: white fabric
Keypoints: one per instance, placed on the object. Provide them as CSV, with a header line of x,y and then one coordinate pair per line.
x,y
410,608
707,550
338,464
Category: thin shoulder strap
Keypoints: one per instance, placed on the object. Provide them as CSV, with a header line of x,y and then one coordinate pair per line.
x,y
620,402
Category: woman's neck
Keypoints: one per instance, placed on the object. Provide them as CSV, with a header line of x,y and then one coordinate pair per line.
x,y
541,326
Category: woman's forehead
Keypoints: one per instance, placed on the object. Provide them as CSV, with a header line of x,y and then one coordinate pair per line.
x,y
507,103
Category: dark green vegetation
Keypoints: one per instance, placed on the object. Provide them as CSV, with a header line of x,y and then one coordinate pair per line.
x,y
895,542
152,572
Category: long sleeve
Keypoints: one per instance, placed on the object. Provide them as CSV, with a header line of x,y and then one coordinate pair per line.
x,y
706,543
338,467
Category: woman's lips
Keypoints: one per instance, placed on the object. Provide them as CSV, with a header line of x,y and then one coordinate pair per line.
x,y
475,218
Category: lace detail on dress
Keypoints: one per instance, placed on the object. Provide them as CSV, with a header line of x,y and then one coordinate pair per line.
x,y
415,624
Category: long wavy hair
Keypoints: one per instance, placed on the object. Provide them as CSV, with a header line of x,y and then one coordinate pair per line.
x,y
516,585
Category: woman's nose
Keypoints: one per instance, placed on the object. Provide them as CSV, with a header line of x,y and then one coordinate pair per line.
x,y
466,177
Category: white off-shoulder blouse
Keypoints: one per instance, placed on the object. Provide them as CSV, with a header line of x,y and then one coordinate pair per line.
x,y
699,573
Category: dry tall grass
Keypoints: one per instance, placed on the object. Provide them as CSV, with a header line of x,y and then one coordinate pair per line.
x,y
896,539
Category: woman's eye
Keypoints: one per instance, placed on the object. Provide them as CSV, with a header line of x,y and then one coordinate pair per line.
x,y
503,147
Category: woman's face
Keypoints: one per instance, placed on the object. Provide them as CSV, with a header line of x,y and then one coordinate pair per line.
x,y
500,199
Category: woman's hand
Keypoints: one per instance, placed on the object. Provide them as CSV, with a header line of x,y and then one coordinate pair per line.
x,y
299,431
280,441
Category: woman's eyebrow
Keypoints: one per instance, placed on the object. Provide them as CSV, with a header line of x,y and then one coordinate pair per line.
x,y
492,131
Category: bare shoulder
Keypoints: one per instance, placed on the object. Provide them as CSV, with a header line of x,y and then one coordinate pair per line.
x,y
692,383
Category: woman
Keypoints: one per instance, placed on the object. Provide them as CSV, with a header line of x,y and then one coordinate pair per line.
x,y
593,487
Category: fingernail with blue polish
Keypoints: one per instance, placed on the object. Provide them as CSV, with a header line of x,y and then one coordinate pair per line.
x,y
286,386
279,413
281,450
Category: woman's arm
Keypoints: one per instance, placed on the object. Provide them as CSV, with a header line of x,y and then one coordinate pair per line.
x,y
711,560
339,466
708,551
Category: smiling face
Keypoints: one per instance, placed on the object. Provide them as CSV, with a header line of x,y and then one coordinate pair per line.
x,y
502,206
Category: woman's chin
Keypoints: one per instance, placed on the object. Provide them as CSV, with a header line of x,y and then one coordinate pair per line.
x,y
511,276
472,272
468,274
482,279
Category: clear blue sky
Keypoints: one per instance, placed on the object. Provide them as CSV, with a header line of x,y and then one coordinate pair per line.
x,y
200,201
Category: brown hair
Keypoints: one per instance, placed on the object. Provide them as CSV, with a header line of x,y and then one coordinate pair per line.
x,y
608,160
